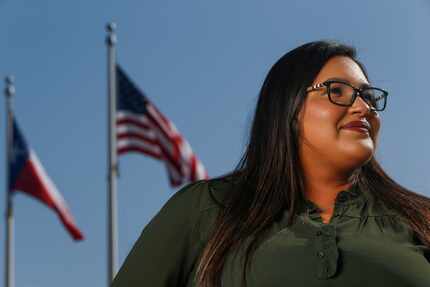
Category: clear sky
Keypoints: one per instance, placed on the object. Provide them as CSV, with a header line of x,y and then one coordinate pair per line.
x,y
202,64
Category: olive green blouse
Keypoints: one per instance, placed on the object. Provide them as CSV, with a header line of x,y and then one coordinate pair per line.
x,y
364,244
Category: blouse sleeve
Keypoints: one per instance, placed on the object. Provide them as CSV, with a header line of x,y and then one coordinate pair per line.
x,y
165,251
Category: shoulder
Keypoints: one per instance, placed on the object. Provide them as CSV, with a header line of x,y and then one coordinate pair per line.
x,y
202,195
197,205
171,242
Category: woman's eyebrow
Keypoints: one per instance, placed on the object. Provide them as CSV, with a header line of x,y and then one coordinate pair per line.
x,y
362,85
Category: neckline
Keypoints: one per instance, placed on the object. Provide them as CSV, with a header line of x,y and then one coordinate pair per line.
x,y
344,198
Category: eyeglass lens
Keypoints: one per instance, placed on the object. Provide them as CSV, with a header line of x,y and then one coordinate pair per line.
x,y
341,93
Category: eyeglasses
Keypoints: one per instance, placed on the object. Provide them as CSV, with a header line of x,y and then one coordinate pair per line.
x,y
344,94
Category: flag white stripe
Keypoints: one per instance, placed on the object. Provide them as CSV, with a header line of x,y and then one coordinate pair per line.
x,y
121,115
123,129
56,197
200,170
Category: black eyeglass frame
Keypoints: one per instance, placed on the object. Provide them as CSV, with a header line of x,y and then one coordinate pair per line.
x,y
357,92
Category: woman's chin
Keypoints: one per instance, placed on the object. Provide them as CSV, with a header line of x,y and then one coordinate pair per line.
x,y
360,152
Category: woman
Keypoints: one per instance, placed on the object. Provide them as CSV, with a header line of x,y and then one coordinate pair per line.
x,y
308,204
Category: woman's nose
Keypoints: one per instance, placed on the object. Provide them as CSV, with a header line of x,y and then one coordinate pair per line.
x,y
360,103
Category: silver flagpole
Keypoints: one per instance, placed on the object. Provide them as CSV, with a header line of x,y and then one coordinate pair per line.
x,y
112,155
9,258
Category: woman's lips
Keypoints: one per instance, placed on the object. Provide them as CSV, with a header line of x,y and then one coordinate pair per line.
x,y
358,129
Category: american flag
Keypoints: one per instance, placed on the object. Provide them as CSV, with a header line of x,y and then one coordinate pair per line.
x,y
142,128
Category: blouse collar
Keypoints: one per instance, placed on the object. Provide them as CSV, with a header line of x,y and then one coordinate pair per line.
x,y
344,199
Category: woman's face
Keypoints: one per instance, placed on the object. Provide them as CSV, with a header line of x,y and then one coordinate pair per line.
x,y
322,137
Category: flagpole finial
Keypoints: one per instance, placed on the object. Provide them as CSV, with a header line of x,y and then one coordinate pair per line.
x,y
10,79
10,88
111,27
111,37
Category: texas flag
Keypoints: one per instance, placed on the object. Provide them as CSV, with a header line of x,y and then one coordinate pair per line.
x,y
26,174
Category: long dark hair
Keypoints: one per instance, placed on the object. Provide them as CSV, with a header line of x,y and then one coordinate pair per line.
x,y
270,175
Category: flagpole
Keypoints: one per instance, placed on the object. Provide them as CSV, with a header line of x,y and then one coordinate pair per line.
x,y
112,154
9,256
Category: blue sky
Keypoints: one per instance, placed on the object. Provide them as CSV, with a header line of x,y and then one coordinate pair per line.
x,y
202,64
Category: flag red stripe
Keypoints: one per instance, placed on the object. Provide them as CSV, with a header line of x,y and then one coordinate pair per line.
x,y
138,149
193,168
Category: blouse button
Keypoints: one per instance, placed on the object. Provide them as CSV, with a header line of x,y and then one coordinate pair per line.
x,y
321,254
319,233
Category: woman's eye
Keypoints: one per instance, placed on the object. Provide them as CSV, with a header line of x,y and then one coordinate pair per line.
x,y
337,91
